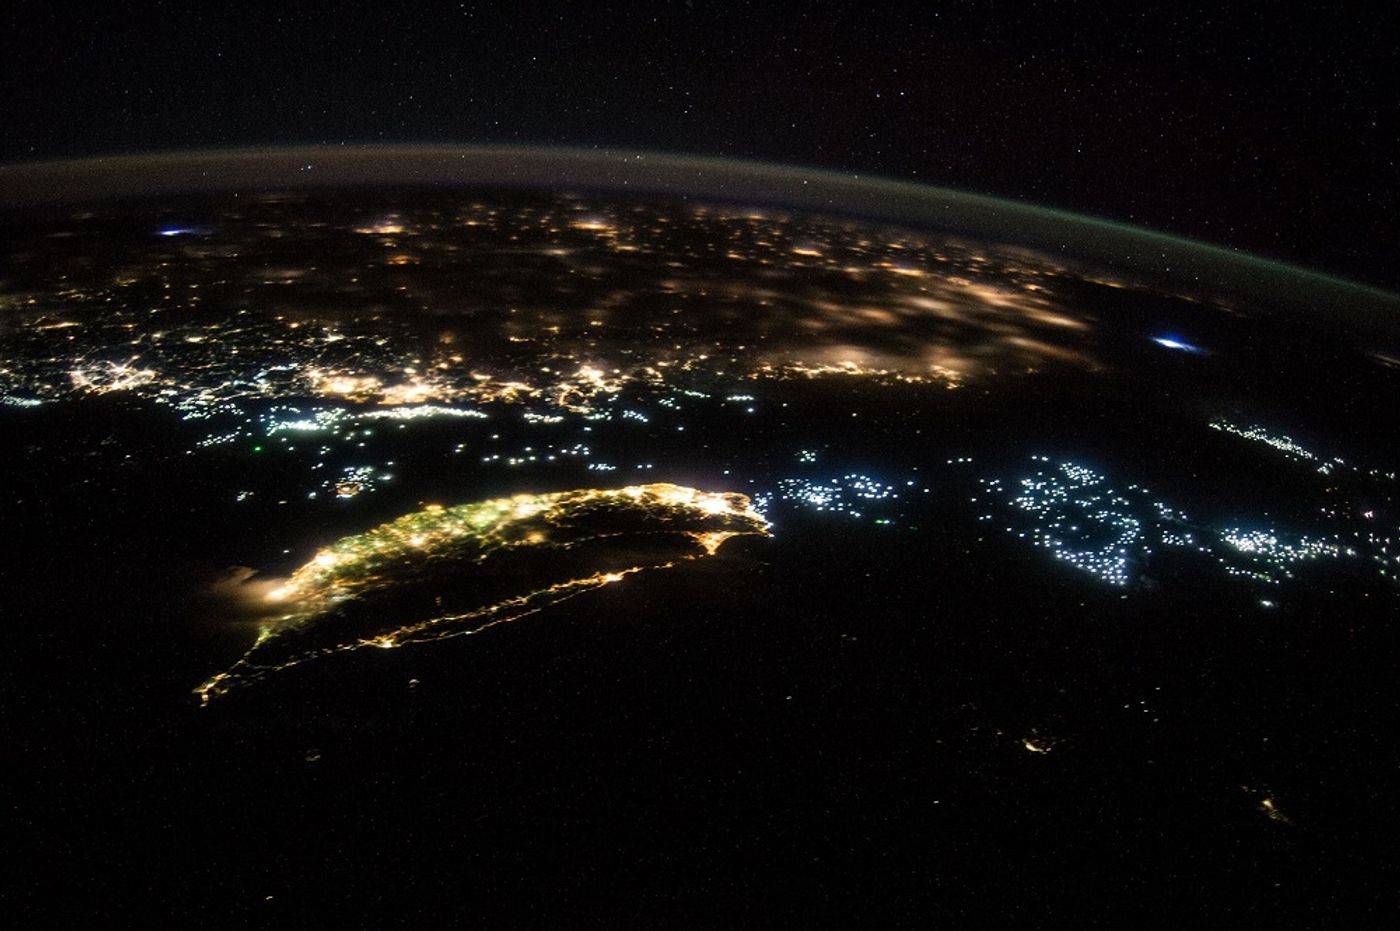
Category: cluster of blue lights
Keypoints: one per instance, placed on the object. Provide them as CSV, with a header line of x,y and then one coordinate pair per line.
x,y
1075,513
851,495
1085,521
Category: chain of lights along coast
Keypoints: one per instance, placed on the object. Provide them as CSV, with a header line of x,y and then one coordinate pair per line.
x,y
441,539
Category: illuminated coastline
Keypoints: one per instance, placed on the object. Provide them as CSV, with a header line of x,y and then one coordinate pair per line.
x,y
445,538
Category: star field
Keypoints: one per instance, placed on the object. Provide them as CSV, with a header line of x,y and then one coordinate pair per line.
x,y
1259,131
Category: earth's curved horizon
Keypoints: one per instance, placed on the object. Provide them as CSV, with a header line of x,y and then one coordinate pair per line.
x,y
721,180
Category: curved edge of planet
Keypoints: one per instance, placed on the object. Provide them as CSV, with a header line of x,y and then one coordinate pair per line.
x,y
1126,247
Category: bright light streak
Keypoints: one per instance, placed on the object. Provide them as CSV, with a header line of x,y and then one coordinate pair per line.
x,y
1172,342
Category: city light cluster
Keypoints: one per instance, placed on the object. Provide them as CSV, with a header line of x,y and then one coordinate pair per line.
x,y
441,539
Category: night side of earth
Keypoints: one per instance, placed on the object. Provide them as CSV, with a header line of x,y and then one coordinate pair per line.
x,y
586,550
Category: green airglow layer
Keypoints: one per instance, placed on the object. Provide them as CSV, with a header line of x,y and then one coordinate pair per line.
x,y
1067,235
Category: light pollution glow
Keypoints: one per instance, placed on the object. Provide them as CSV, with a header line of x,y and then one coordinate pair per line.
x,y
800,297
451,538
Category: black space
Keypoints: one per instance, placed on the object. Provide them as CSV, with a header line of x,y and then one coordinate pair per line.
x,y
1254,127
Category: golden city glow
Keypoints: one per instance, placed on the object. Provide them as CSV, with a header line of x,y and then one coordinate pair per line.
x,y
1268,807
655,518
799,298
